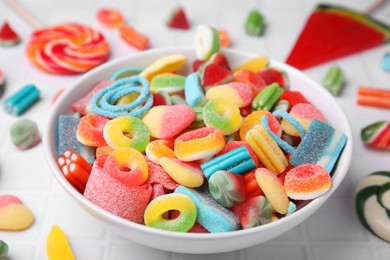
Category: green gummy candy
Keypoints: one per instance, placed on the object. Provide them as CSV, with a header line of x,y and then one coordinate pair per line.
x,y
3,250
334,80
369,131
254,24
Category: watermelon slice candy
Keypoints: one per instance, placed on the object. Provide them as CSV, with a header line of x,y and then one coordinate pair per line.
x,y
215,74
8,36
274,75
178,19
333,32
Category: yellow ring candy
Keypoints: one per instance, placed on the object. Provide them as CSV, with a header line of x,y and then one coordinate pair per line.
x,y
126,131
158,208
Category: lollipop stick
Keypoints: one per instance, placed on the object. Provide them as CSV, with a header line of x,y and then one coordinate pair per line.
x,y
23,13
375,6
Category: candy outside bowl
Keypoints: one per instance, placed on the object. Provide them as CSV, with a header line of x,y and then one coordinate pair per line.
x,y
196,243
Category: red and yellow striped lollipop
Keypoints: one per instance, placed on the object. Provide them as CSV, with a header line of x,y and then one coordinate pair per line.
x,y
68,48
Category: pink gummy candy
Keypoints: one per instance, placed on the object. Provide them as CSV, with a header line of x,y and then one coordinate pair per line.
x,y
165,122
157,175
121,200
81,105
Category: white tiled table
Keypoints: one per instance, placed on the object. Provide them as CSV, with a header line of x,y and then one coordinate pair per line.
x,y
333,232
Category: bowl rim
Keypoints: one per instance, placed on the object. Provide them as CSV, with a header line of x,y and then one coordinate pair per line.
x,y
48,140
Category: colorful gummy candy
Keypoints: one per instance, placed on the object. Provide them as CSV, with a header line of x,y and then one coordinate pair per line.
x,y
334,80
377,135
3,250
373,97
187,152
14,215
372,203
254,24
178,19
8,37
110,18
133,37
25,134
22,100
57,245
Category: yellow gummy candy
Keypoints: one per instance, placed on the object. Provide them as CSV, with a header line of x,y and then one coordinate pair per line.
x,y
165,64
254,64
57,246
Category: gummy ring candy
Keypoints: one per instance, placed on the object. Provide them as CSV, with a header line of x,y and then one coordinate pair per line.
x,y
126,131
157,208
223,115
103,102
128,166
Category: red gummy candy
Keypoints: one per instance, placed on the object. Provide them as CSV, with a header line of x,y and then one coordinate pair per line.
x,y
293,97
216,75
273,75
75,169
178,19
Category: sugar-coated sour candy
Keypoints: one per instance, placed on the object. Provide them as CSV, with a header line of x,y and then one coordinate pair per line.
x,y
307,181
105,189
178,19
25,134
167,121
67,138
304,114
334,80
223,115
206,42
154,213
22,100
111,18
126,131
201,150
134,37
275,75
268,97
215,74
104,101
68,48
57,245
8,37
372,203
211,215
184,173
373,97
236,92
90,130
377,135
254,24
14,215
199,144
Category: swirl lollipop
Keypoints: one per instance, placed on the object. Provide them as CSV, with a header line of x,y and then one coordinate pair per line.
x,y
68,48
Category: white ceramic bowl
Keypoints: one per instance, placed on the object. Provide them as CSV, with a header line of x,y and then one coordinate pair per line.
x,y
190,242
